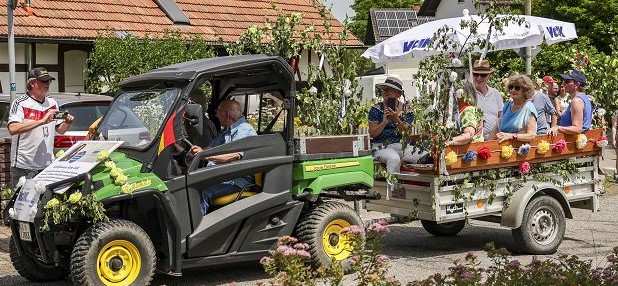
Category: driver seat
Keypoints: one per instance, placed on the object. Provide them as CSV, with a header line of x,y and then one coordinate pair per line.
x,y
247,191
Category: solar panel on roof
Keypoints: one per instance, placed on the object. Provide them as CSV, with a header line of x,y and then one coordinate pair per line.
x,y
393,22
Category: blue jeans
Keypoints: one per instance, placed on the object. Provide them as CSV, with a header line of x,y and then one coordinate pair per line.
x,y
215,191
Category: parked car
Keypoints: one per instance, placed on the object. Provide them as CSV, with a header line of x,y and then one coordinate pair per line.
x,y
86,108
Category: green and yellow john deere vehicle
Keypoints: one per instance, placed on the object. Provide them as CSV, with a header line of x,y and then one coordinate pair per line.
x,y
155,222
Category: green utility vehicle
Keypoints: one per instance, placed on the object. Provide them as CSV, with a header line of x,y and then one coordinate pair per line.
x,y
157,224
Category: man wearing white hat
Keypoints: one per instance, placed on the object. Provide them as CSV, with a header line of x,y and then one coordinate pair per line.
x,y
387,121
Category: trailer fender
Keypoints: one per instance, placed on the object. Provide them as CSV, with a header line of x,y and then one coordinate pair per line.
x,y
513,214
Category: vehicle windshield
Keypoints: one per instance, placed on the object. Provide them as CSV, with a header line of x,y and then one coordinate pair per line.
x,y
136,117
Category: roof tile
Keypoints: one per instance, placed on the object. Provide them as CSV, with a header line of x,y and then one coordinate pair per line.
x,y
84,19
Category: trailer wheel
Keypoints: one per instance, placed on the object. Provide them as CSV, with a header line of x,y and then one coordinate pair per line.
x,y
542,228
32,269
443,229
320,228
118,252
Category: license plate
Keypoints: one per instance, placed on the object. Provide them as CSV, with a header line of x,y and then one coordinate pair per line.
x,y
24,231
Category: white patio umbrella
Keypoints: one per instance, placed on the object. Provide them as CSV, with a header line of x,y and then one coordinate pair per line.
x,y
416,42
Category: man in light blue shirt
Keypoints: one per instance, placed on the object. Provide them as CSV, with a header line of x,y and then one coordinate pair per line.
x,y
235,127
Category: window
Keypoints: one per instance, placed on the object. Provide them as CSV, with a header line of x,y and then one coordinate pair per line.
x,y
263,111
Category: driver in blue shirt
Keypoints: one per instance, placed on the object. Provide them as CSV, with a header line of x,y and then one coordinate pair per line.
x,y
235,127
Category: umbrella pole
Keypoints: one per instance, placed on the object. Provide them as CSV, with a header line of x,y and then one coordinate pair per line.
x,y
470,65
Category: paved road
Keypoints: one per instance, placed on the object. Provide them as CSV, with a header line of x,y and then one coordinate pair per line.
x,y
415,254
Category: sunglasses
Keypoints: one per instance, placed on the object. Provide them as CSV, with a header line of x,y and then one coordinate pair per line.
x,y
515,87
480,74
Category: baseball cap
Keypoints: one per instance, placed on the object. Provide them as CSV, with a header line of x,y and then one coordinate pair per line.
x,y
576,76
549,79
39,73
391,82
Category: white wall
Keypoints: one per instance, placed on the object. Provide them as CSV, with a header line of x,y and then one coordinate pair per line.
x,y
75,70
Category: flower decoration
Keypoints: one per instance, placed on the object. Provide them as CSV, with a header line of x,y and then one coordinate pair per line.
x,y
110,165
523,150
470,156
560,145
581,141
601,142
12,213
115,172
75,197
52,203
601,112
120,180
580,61
524,168
451,158
543,147
453,76
39,187
485,153
59,153
20,183
456,62
507,151
103,155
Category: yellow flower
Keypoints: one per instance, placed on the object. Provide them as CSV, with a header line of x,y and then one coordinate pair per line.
x,y
543,147
59,153
121,180
451,158
103,155
52,203
75,197
582,141
115,172
507,151
297,121
110,165
363,125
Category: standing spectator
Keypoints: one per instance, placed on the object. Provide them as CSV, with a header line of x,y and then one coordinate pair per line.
x,y
488,98
32,127
386,126
577,118
614,129
546,121
551,86
561,102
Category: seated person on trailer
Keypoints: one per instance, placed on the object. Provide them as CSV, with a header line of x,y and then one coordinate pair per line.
x,y
577,117
518,118
386,124
235,127
469,123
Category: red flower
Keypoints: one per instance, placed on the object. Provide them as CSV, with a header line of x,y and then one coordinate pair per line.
x,y
560,145
484,153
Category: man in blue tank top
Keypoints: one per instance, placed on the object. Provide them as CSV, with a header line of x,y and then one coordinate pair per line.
x,y
577,118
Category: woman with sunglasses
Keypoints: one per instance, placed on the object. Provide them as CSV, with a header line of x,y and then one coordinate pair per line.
x,y
518,119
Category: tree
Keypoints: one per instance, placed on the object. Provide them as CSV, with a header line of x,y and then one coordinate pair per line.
x,y
358,26
116,58
597,20
319,111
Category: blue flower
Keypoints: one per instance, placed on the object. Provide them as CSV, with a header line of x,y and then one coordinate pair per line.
x,y
469,156
523,150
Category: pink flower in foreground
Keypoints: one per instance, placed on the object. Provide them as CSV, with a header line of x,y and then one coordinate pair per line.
x,y
286,240
378,227
524,168
353,230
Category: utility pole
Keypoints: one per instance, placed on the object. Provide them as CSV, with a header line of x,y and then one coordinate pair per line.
x,y
528,55
11,4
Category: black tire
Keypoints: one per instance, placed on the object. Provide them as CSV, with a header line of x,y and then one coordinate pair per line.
x,y
118,241
326,221
443,229
542,228
32,269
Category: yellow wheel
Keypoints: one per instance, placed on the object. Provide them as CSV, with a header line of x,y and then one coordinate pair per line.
x,y
115,253
335,244
321,228
118,262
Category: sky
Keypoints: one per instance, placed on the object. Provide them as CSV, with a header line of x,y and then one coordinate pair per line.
x,y
340,8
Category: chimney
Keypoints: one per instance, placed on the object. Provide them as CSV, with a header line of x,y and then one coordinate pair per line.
x,y
416,7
